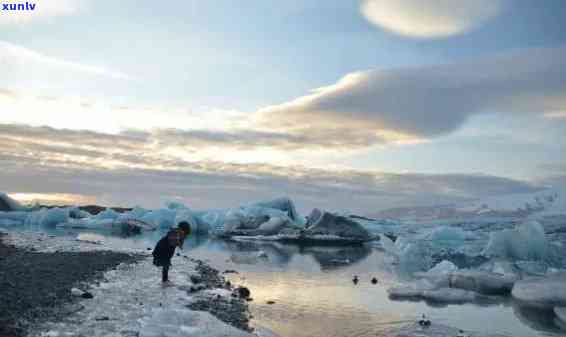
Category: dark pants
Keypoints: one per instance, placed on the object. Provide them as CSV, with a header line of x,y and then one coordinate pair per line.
x,y
165,273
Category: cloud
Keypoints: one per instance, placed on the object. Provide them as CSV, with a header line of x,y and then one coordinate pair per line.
x,y
18,62
428,101
131,168
429,18
45,10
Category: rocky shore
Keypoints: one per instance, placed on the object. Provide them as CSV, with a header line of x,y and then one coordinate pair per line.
x,y
41,277
35,286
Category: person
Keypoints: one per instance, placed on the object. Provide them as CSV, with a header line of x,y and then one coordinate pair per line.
x,y
165,249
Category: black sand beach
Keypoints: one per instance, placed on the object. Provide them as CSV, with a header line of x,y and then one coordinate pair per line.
x,y
34,286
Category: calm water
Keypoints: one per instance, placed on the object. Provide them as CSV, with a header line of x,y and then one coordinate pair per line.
x,y
315,296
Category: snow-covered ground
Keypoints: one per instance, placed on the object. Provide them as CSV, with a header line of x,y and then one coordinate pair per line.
x,y
130,301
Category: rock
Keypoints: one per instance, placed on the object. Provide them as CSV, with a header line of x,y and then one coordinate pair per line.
x,y
243,292
196,279
103,318
391,236
542,292
262,254
86,295
197,288
270,302
374,281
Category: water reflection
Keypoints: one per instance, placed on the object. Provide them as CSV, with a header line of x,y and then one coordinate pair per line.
x,y
543,320
281,254
314,295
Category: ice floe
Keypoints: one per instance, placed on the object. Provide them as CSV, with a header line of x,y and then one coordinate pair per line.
x,y
542,292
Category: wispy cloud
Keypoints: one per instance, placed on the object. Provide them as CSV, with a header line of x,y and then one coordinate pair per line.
x,y
429,18
429,101
128,168
18,61
44,10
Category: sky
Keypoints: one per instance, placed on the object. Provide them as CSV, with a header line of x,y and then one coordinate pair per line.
x,y
361,105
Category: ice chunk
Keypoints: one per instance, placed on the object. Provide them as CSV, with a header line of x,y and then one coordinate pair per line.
x,y
444,267
163,218
8,204
187,216
542,292
482,282
532,268
107,214
526,242
286,205
440,295
335,225
273,226
48,217
14,217
560,313
435,330
449,236
388,245
450,295
414,257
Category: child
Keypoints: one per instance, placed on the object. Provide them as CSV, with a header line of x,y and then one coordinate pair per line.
x,y
165,248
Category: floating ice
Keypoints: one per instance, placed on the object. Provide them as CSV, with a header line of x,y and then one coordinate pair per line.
x,y
482,282
449,236
526,242
48,217
326,223
435,330
444,267
273,226
543,292
560,313
427,292
107,214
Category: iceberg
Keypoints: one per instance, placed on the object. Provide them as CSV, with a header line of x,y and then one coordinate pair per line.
x,y
48,217
444,267
526,242
187,216
542,292
449,236
285,205
329,224
482,282
8,204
